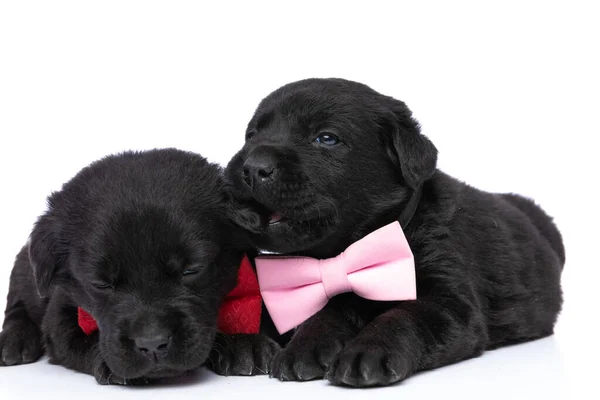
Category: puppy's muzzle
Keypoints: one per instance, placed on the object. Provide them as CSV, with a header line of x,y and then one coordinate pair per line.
x,y
260,167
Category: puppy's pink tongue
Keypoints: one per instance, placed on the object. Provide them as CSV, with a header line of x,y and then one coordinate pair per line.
x,y
275,218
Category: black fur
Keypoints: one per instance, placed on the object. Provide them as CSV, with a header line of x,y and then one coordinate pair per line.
x,y
116,241
488,265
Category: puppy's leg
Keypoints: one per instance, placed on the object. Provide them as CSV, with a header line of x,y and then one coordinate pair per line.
x,y
415,335
67,345
242,354
318,340
21,338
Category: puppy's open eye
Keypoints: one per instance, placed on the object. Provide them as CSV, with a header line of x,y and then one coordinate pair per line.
x,y
327,139
250,134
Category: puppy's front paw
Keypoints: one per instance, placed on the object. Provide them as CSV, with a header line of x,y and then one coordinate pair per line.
x,y
20,343
305,358
368,364
242,354
104,376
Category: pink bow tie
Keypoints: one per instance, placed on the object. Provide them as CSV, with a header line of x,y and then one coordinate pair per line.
x,y
380,266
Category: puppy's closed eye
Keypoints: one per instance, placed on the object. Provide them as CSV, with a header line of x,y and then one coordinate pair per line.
x,y
103,286
191,270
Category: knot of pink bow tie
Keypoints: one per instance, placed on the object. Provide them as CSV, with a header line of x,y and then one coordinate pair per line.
x,y
334,278
380,266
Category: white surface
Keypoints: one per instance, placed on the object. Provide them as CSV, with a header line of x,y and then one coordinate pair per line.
x,y
507,373
508,93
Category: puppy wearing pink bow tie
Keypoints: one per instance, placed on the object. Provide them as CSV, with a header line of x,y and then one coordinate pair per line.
x,y
381,265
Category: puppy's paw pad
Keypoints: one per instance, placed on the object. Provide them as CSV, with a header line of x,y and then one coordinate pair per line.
x,y
242,355
303,362
20,344
361,365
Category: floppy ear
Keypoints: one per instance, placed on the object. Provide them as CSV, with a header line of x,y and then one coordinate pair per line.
x,y
409,149
43,254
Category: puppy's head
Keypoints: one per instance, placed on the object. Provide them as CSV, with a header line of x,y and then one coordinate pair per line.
x,y
142,242
323,159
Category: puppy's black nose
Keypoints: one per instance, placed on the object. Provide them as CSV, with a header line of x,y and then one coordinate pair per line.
x,y
260,166
156,345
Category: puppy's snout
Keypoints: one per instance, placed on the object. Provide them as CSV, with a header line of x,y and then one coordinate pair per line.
x,y
153,344
260,166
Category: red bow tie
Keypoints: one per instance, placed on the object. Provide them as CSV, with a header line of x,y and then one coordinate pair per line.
x,y
239,313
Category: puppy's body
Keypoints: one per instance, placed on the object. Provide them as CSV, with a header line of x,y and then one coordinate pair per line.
x,y
143,242
328,161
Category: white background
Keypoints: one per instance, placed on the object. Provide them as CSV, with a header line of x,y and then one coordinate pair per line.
x,y
507,92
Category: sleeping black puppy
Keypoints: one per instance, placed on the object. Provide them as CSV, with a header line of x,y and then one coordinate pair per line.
x,y
143,242
326,162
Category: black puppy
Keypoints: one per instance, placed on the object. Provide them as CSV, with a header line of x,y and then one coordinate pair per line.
x,y
143,241
327,161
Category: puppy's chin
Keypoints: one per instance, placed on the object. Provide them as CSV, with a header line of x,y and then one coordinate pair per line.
x,y
163,373
283,235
